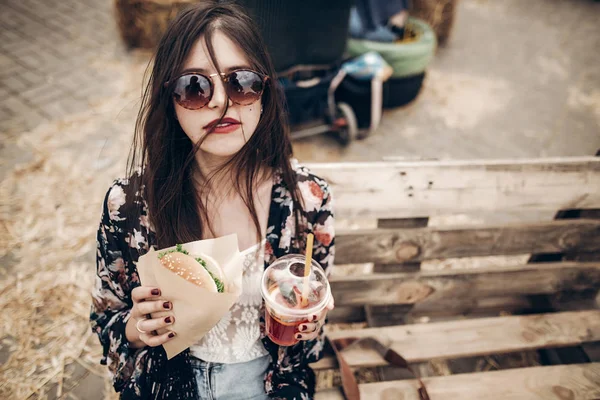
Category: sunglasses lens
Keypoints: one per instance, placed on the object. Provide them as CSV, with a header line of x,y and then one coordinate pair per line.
x,y
192,91
245,87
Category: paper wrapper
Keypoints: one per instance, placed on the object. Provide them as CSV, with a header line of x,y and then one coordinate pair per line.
x,y
196,310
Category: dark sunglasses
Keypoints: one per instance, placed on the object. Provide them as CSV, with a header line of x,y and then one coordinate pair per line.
x,y
194,90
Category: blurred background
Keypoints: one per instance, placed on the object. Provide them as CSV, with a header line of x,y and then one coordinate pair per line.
x,y
420,79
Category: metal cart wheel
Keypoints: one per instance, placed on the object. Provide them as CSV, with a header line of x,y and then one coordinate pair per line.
x,y
346,124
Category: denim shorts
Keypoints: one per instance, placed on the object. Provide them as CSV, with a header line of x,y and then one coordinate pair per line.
x,y
241,381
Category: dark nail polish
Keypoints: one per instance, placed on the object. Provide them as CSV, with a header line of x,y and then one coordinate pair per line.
x,y
298,336
303,328
313,318
172,335
168,320
167,305
155,292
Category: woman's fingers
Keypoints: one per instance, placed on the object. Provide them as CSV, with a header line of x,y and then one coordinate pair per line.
x,y
142,293
149,325
154,341
319,317
149,307
308,330
308,327
307,336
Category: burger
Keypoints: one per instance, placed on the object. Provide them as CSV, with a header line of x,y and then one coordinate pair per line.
x,y
202,270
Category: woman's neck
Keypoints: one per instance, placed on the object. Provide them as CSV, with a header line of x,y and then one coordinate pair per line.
x,y
212,174
221,178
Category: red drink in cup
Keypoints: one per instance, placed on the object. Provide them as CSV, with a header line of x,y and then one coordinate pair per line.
x,y
282,325
282,288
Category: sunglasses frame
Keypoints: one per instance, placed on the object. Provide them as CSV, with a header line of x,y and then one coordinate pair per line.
x,y
225,77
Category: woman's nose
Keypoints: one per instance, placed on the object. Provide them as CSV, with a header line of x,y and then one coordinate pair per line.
x,y
219,97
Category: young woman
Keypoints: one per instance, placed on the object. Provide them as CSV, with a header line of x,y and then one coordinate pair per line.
x,y
214,154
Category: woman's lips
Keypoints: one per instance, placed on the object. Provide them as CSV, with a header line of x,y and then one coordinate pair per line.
x,y
225,128
227,125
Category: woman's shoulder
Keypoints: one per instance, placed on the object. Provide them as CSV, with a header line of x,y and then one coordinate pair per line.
x,y
314,189
122,195
305,174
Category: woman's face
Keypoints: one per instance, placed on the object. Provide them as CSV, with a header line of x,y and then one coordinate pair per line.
x,y
241,121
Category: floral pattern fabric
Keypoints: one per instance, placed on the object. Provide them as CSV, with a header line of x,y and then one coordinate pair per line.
x,y
120,244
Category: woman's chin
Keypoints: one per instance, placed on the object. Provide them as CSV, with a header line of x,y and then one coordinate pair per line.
x,y
223,146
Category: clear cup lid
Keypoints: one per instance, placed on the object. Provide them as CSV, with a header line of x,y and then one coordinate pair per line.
x,y
282,286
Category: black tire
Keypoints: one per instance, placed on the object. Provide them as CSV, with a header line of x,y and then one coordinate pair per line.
x,y
357,94
398,92
349,132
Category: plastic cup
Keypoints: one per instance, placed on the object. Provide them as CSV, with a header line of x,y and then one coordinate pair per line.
x,y
282,287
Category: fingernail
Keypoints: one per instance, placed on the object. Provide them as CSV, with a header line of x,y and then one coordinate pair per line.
x,y
298,336
168,320
167,305
155,292
313,318
172,335
303,328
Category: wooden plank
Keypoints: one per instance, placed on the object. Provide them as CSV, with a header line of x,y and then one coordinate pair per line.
x,y
572,214
450,309
402,223
398,314
373,313
566,382
472,337
545,303
395,314
586,255
421,189
392,246
429,286
341,314
399,223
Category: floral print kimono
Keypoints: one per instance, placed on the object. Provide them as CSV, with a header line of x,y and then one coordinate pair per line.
x,y
145,373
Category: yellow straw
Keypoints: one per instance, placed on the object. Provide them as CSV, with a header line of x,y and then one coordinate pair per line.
x,y
305,284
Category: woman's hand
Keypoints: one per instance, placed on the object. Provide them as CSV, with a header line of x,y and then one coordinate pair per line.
x,y
310,330
141,329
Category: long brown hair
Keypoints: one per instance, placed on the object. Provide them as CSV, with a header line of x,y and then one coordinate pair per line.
x,y
166,154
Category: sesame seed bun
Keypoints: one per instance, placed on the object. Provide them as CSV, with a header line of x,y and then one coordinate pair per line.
x,y
191,270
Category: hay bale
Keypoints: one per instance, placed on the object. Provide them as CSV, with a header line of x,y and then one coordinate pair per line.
x,y
141,23
439,14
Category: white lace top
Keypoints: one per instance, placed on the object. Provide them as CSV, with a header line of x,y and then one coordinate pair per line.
x,y
236,338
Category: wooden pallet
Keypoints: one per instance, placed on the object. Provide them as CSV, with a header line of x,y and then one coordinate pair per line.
x,y
494,303
578,381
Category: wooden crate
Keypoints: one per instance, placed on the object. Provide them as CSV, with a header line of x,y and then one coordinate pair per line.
x,y
481,311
